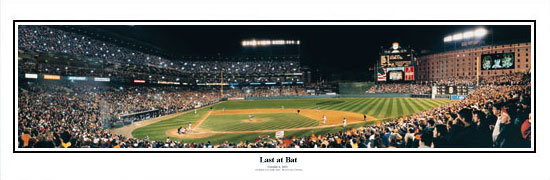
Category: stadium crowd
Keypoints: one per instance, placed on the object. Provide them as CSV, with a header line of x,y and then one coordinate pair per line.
x,y
456,81
425,88
46,111
496,115
124,62
265,91
400,88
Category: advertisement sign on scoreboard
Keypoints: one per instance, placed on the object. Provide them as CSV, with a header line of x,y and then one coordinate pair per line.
x,y
409,73
102,79
77,78
53,77
458,97
31,76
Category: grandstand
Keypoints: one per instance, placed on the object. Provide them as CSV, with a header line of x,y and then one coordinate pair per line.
x,y
77,91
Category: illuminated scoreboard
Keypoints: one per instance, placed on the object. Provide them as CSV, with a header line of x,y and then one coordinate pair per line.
x,y
452,90
397,56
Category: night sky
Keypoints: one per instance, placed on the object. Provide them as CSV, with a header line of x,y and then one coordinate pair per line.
x,y
341,51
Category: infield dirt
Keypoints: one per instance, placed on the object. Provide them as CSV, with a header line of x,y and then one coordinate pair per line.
x,y
334,118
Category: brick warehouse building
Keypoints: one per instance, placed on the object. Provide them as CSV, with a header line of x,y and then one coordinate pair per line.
x,y
462,63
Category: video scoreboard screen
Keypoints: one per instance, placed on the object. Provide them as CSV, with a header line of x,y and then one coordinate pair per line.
x,y
396,75
497,61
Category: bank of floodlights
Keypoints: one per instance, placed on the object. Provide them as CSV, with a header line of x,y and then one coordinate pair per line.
x,y
254,42
467,35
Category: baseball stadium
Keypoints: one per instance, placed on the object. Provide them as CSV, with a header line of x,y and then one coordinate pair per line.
x,y
271,86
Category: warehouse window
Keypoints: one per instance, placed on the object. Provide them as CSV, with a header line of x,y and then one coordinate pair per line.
x,y
526,60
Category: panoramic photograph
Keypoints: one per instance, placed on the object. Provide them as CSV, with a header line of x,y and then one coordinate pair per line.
x,y
300,87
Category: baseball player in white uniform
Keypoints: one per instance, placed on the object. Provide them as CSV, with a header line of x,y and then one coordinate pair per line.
x,y
344,122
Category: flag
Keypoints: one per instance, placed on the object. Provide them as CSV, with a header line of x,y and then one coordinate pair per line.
x,y
381,74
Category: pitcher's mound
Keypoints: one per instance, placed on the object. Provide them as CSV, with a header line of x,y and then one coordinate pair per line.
x,y
252,120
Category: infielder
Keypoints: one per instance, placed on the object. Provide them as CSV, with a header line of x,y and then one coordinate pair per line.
x,y
324,119
344,122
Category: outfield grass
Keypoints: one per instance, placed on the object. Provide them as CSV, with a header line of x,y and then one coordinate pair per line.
x,y
234,122
380,108
376,107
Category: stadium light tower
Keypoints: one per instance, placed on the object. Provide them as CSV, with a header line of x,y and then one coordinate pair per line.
x,y
478,33
470,37
457,37
468,34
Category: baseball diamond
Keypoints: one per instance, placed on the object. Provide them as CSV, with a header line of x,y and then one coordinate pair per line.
x,y
218,126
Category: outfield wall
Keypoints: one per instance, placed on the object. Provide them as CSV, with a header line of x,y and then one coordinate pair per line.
x,y
354,87
378,95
